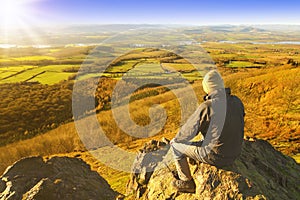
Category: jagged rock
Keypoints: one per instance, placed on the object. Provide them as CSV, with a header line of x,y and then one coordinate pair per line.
x,y
260,172
145,163
2,185
58,178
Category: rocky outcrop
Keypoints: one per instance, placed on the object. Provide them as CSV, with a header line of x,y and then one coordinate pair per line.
x,y
260,172
56,178
144,165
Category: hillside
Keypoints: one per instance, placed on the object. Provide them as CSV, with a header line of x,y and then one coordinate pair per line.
x,y
272,101
33,103
268,117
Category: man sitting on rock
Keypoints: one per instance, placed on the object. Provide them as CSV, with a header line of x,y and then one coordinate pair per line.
x,y
220,119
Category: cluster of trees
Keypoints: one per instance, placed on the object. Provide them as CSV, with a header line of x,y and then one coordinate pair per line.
x,y
127,90
31,108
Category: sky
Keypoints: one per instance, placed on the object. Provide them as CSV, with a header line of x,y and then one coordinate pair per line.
x,y
190,12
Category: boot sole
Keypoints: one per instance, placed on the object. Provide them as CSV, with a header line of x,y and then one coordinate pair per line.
x,y
186,190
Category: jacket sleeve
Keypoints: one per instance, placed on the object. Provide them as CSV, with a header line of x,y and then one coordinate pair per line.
x,y
198,122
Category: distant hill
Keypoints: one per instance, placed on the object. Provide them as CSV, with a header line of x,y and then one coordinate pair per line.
x,y
74,34
279,27
224,29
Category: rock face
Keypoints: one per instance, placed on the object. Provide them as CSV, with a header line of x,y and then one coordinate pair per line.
x,y
145,163
260,172
57,178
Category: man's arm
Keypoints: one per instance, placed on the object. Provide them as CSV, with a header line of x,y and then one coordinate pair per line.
x,y
198,122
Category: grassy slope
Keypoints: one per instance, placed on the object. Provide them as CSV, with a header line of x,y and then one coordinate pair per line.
x,y
261,91
271,98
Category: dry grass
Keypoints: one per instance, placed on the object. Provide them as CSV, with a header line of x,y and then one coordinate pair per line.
x,y
64,139
271,97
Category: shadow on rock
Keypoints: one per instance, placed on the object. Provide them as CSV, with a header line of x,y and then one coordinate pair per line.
x,y
57,178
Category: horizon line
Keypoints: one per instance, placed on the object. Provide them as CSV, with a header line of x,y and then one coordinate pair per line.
x,y
153,24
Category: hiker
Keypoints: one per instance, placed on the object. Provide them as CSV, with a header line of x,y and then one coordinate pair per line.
x,y
220,119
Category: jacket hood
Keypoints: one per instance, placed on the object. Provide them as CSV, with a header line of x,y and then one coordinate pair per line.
x,y
212,81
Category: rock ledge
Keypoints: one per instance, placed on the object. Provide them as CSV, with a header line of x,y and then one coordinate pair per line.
x,y
58,178
260,172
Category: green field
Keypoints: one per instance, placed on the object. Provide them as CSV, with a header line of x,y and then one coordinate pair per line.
x,y
126,65
147,68
52,65
178,67
137,63
33,58
44,74
242,64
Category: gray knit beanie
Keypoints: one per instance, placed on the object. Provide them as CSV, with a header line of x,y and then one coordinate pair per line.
x,y
212,81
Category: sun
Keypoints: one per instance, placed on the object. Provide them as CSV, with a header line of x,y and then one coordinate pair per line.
x,y
18,20
13,11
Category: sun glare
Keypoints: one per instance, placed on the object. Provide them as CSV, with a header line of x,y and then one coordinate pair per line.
x,y
13,11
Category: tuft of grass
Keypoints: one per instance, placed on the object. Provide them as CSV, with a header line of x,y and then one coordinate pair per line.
x,y
297,158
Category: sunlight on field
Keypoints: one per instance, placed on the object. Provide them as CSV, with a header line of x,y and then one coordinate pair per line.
x,y
96,36
52,77
33,58
87,76
6,72
50,74
126,65
178,67
5,60
147,68
192,76
55,50
242,64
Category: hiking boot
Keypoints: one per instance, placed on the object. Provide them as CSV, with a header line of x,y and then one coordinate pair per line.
x,y
175,174
184,186
191,161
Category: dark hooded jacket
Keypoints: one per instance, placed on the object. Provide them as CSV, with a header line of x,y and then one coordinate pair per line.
x,y
220,119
